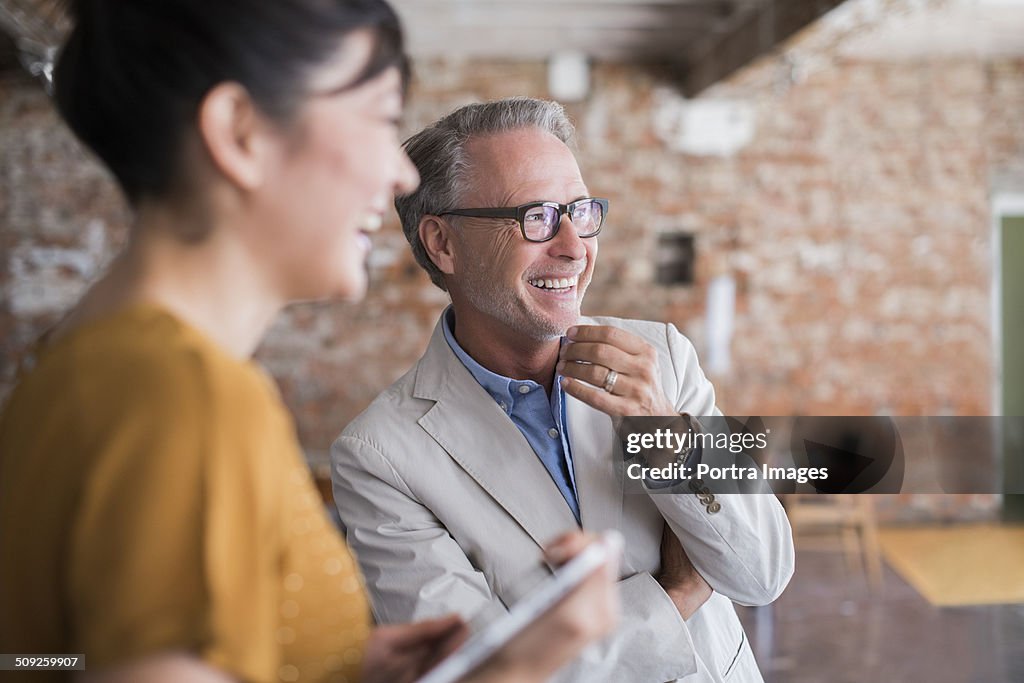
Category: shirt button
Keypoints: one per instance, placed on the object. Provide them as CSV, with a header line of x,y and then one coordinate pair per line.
x,y
523,389
553,433
504,406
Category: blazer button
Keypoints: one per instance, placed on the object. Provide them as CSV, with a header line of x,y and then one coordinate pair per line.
x,y
714,507
705,498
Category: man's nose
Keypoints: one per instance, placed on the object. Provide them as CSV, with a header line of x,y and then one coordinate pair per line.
x,y
567,243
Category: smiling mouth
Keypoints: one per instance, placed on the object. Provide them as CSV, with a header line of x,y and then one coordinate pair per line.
x,y
558,284
370,223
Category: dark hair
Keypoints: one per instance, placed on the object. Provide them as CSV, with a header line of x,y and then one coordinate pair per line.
x,y
132,74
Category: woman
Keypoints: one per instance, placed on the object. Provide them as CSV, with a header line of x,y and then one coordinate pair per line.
x,y
155,511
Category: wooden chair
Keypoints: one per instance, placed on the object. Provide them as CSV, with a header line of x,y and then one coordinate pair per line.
x,y
831,522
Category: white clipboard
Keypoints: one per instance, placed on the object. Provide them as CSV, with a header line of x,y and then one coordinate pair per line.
x,y
495,635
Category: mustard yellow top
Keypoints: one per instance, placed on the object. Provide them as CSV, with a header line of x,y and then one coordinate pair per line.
x,y
153,498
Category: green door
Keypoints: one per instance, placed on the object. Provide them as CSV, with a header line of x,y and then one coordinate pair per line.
x,y
1012,266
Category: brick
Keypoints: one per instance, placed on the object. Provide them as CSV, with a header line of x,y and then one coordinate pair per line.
x,y
855,221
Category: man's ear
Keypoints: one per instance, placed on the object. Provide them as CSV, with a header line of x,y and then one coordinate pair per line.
x,y
235,135
436,237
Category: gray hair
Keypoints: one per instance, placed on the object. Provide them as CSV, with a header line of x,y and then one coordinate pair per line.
x,y
439,153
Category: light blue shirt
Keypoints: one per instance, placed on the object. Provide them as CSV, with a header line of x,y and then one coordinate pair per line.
x,y
540,418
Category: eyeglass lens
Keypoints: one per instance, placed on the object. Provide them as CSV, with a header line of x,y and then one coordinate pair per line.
x,y
541,222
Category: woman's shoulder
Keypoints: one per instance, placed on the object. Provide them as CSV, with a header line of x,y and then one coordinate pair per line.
x,y
147,350
143,382
143,363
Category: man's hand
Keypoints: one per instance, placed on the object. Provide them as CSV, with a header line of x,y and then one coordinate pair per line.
x,y
598,350
687,589
403,653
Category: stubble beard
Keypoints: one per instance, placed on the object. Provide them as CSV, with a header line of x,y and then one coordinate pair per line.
x,y
488,296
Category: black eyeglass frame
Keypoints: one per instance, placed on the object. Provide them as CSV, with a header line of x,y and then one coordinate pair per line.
x,y
519,213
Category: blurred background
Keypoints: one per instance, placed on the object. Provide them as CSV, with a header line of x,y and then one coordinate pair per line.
x,y
826,197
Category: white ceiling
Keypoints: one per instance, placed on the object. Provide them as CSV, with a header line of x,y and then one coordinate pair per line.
x,y
634,30
956,28
702,41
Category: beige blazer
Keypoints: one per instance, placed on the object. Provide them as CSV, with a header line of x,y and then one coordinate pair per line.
x,y
447,506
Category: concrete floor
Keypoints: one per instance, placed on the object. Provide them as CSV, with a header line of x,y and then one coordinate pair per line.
x,y
828,628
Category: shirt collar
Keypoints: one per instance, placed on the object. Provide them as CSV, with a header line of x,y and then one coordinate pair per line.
x,y
502,389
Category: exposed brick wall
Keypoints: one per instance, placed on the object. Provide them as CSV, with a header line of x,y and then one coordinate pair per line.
x,y
61,218
855,223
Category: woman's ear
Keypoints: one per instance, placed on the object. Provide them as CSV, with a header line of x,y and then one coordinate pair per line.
x,y
235,135
436,237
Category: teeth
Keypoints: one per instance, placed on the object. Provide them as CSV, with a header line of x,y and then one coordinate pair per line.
x,y
371,223
556,283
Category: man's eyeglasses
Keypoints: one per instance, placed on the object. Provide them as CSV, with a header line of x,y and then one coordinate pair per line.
x,y
539,221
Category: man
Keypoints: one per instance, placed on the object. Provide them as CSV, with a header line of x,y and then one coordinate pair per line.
x,y
502,434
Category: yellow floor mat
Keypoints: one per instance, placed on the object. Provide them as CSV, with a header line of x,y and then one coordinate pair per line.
x,y
977,564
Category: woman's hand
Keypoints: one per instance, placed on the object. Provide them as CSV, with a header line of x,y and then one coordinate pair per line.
x,y
403,653
588,613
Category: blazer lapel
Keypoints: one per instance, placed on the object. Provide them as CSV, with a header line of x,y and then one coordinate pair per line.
x,y
467,423
593,442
